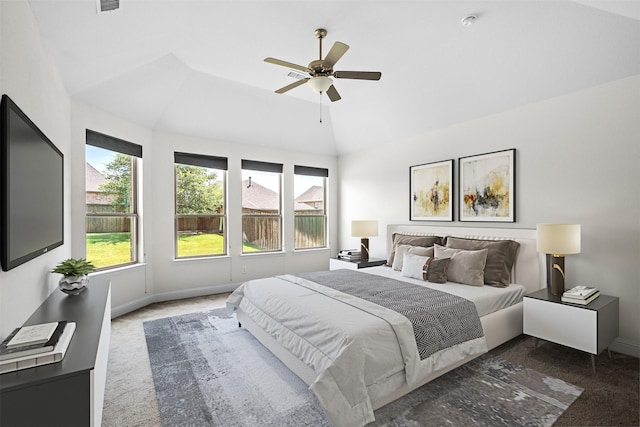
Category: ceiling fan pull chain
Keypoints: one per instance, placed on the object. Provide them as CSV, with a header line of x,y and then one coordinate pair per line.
x,y
320,107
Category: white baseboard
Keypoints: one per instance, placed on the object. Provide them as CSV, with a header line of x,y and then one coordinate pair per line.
x,y
171,296
620,345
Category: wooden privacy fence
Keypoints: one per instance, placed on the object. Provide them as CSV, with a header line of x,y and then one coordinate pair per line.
x,y
262,231
103,224
309,232
200,224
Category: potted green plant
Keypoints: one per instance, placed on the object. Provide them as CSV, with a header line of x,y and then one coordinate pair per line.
x,y
74,275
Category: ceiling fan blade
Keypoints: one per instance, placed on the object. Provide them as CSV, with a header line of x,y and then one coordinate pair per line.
x,y
333,94
287,64
337,50
360,75
292,85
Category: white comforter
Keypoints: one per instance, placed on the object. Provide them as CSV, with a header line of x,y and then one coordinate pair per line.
x,y
351,344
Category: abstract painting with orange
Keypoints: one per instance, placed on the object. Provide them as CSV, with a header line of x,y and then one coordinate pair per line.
x,y
486,187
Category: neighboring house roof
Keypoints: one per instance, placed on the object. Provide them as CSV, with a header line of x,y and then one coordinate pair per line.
x,y
94,179
313,194
258,197
94,195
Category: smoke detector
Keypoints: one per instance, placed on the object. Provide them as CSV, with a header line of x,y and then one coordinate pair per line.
x,y
468,20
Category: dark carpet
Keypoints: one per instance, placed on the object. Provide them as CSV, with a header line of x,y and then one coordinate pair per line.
x,y
611,397
207,371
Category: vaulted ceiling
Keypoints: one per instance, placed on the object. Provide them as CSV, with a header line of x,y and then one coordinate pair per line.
x,y
195,67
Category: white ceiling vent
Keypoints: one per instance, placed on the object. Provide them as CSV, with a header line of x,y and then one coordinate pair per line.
x,y
107,5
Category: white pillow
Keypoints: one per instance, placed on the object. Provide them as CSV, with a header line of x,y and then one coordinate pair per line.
x,y
412,265
398,260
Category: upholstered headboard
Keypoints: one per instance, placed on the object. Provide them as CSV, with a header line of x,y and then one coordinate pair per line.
x,y
528,269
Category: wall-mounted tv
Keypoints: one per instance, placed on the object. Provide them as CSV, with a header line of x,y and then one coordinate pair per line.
x,y
32,189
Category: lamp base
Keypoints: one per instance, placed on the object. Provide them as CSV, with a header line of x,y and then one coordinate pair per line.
x,y
557,275
364,249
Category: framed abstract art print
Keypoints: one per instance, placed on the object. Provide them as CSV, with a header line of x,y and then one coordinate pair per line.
x,y
487,187
431,191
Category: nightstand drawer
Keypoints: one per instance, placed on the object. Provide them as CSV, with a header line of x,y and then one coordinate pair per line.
x,y
575,327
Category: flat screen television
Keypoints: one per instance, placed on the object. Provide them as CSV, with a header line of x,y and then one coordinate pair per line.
x,y
32,189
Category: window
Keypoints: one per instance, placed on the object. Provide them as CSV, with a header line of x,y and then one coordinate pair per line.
x,y
261,206
111,199
200,205
310,207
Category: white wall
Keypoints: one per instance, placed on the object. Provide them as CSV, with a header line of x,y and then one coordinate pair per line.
x,y
170,276
160,277
128,284
29,77
577,160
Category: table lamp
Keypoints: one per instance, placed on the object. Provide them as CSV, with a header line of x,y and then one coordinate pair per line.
x,y
558,240
364,229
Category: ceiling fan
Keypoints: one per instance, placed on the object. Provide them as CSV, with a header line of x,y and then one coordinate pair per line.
x,y
320,71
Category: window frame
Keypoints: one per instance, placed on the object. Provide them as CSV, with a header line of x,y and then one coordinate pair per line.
x,y
276,168
134,151
208,162
324,174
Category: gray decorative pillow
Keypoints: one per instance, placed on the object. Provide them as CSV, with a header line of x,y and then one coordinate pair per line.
x,y
412,265
435,270
405,239
403,249
466,267
501,256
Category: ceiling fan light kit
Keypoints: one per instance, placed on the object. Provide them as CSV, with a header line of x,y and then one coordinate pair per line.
x,y
320,84
320,71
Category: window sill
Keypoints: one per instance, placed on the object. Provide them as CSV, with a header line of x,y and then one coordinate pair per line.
x,y
306,251
123,268
258,254
213,258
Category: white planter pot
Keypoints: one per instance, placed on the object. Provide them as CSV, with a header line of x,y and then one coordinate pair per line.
x,y
73,285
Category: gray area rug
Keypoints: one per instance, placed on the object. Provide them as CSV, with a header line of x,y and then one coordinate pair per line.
x,y
209,372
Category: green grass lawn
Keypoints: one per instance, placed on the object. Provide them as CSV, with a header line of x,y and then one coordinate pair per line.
x,y
105,249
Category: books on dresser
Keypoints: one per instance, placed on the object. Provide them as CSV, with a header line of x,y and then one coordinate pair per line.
x,y
51,356
580,295
34,334
11,352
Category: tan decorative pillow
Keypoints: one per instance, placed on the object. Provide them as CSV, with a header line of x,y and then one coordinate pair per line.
x,y
466,267
403,249
405,239
501,256
435,270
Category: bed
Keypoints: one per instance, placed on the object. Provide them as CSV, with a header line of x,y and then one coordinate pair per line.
x,y
357,356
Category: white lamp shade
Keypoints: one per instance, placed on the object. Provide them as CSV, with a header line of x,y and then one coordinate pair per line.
x,y
320,84
558,239
364,228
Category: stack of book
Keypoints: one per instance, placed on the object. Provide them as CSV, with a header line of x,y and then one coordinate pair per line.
x,y
349,254
35,345
580,295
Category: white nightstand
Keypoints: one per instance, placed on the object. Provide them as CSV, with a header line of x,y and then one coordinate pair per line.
x,y
590,328
336,263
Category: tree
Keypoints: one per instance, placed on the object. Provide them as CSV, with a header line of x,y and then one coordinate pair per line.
x,y
197,191
118,175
